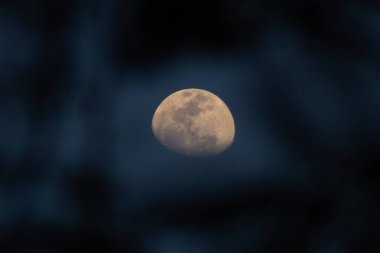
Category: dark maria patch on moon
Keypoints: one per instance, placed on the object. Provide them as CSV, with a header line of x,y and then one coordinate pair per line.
x,y
173,138
210,107
181,115
186,94
201,97
193,108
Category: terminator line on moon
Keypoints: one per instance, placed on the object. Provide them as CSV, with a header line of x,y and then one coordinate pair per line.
x,y
194,122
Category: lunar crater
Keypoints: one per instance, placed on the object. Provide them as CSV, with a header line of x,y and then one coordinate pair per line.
x,y
173,137
192,108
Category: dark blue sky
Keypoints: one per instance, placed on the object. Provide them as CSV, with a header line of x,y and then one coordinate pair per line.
x,y
80,168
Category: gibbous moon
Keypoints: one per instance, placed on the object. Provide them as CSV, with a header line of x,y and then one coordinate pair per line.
x,y
194,122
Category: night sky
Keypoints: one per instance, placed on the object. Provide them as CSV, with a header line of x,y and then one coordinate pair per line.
x,y
80,169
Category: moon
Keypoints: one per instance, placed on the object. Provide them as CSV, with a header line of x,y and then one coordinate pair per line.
x,y
194,122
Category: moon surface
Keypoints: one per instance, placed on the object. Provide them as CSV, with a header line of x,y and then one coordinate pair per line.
x,y
194,122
